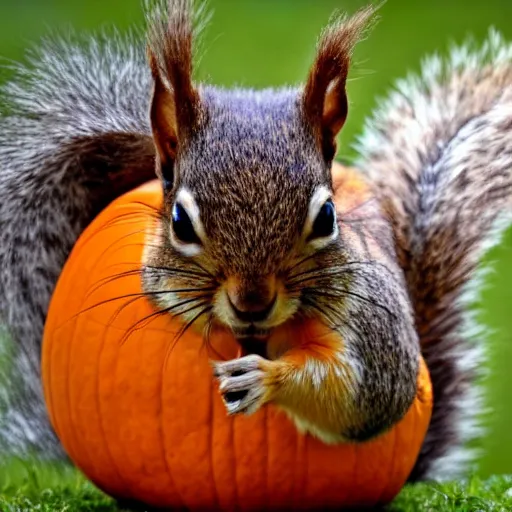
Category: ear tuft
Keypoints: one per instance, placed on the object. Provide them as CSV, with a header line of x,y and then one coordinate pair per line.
x,y
175,108
325,101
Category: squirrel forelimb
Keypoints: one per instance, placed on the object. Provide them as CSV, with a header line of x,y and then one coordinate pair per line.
x,y
351,374
318,383
314,383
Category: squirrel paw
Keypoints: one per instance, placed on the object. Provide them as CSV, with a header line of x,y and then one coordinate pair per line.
x,y
242,383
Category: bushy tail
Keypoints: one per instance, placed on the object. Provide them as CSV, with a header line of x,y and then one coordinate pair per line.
x,y
439,153
74,134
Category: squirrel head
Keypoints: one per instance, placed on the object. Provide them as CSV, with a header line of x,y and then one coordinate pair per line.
x,y
246,175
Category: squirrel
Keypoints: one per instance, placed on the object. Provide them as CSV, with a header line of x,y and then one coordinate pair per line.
x,y
252,221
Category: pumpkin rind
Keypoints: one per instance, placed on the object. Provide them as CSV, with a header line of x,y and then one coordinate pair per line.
x,y
146,422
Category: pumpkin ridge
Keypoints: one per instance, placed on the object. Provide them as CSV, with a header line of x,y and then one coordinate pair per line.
x,y
266,450
57,429
304,467
354,470
48,352
98,401
236,493
76,320
122,478
107,329
390,471
162,451
233,461
415,417
111,250
95,289
210,430
121,329
295,472
72,423
162,435
358,472
110,223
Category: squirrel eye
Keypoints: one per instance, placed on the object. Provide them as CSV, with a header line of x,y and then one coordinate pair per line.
x,y
182,226
325,221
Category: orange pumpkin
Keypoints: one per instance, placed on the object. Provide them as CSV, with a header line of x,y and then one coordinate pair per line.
x,y
143,419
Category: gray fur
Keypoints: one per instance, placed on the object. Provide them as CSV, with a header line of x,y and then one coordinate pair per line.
x,y
73,137
439,153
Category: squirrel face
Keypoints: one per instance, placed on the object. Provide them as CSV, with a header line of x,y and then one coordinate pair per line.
x,y
248,208
251,199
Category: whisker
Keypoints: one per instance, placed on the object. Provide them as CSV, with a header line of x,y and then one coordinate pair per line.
x,y
143,322
170,348
151,207
110,279
113,318
338,270
302,261
319,275
349,293
129,215
184,329
132,272
196,317
176,270
136,244
207,337
202,268
336,267
112,223
117,240
145,294
312,304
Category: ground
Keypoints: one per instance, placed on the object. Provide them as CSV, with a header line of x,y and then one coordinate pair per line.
x,y
29,487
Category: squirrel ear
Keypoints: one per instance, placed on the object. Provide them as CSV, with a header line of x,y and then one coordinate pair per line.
x,y
164,126
325,100
175,105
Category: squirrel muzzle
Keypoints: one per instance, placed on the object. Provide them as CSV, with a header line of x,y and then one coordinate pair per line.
x,y
252,300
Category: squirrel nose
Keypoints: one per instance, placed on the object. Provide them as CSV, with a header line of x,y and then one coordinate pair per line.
x,y
253,315
252,301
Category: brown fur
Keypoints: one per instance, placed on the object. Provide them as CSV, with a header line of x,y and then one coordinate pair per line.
x,y
250,169
325,98
170,49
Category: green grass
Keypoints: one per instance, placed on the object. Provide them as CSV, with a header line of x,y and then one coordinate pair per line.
x,y
55,488
44,488
475,495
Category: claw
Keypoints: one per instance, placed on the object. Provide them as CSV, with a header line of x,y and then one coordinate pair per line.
x,y
240,383
240,366
247,405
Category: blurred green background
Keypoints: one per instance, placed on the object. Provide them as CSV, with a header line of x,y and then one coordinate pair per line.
x,y
263,43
